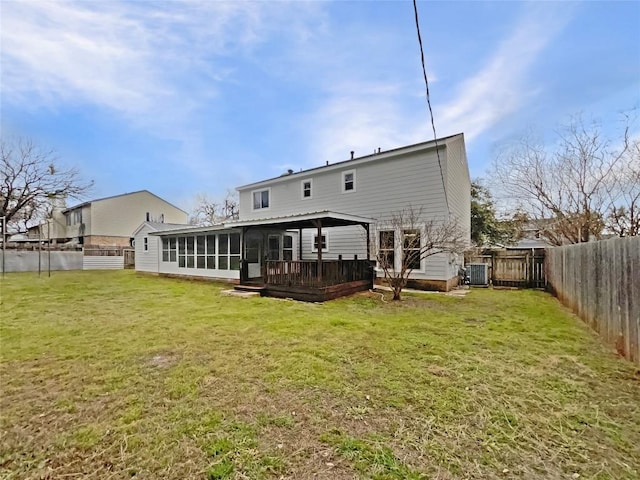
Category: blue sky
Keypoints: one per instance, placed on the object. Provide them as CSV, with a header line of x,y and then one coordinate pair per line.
x,y
189,97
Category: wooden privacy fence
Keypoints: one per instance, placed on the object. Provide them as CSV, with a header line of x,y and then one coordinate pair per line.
x,y
512,268
600,281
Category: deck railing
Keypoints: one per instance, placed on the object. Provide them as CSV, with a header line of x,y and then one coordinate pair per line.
x,y
304,273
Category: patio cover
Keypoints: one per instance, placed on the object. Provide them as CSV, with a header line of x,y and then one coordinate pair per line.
x,y
304,220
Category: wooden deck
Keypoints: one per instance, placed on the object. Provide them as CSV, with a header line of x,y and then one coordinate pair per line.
x,y
314,281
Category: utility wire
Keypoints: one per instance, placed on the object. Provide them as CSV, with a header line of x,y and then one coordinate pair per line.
x,y
426,83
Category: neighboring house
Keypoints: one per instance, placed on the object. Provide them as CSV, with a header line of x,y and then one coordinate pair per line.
x,y
107,221
318,228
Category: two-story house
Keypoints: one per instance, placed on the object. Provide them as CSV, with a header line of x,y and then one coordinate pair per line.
x,y
107,221
319,227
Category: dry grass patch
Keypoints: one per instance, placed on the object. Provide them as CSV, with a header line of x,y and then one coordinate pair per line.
x,y
114,375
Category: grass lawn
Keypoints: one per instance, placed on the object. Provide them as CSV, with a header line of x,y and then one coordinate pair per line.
x,y
116,375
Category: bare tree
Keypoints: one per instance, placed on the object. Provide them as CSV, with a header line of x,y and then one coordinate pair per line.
x,y
31,180
566,192
211,212
407,238
623,213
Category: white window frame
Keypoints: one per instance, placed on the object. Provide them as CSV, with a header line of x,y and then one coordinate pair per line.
x,y
313,242
344,175
393,248
402,249
310,182
253,206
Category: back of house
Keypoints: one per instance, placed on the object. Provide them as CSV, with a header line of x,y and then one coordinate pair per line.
x,y
430,177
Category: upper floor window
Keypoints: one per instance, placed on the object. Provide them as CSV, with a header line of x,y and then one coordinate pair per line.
x,y
306,188
349,181
261,199
68,217
77,216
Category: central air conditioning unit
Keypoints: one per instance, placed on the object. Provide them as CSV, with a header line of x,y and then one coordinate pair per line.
x,y
478,273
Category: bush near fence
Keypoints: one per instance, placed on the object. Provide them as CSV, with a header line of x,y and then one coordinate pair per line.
x,y
600,282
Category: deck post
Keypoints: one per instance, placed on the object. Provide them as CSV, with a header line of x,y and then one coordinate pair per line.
x,y
366,227
299,243
244,272
318,225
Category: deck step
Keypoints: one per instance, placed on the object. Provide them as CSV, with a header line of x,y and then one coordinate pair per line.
x,y
250,288
240,293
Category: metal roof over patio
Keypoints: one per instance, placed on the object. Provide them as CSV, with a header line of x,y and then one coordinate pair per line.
x,y
304,220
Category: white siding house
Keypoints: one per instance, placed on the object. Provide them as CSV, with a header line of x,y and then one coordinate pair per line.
x,y
374,186
318,228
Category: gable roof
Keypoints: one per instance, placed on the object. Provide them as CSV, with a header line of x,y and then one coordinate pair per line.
x,y
387,154
159,227
89,202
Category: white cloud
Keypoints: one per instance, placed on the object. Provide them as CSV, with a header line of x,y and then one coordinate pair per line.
x,y
500,88
361,121
153,62
364,113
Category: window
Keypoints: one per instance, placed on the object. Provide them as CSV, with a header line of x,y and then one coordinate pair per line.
x,y
191,261
182,250
169,249
323,241
211,252
306,189
349,181
165,249
68,218
77,216
261,199
411,249
234,248
172,249
200,251
287,248
229,251
146,244
386,249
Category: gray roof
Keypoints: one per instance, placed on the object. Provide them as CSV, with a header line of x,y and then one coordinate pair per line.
x,y
305,220
89,202
300,220
386,154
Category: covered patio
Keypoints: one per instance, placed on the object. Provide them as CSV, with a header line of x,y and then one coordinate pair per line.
x,y
271,265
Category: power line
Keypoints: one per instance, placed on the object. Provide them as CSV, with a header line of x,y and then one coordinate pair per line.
x,y
426,83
